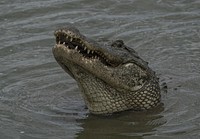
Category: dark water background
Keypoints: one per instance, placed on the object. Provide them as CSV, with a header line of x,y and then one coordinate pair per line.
x,y
39,101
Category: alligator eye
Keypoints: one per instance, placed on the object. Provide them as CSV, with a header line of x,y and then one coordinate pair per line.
x,y
118,43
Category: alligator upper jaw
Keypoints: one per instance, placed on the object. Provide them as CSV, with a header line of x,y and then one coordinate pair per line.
x,y
79,44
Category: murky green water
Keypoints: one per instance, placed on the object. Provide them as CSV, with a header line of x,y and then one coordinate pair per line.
x,y
38,100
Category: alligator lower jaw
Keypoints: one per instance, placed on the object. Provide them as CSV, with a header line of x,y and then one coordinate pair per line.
x,y
64,54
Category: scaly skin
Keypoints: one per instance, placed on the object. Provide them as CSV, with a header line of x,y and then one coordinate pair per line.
x,y
111,77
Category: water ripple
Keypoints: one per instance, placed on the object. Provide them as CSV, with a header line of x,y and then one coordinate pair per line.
x,y
39,100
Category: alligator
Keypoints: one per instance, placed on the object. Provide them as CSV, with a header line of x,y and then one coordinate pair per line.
x,y
111,76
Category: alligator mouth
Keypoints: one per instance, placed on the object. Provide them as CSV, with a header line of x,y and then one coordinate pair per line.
x,y
79,45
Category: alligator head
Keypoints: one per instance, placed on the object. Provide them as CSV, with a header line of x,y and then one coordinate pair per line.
x,y
112,77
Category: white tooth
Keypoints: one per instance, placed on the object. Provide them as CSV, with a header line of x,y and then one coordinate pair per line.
x,y
63,42
85,48
92,52
79,51
67,46
76,47
88,51
71,39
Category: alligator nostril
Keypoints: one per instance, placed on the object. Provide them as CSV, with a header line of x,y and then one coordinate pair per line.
x,y
57,39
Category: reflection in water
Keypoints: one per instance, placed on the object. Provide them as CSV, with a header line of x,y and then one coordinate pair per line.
x,y
122,125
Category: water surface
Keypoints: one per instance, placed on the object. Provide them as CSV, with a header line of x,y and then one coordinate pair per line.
x,y
38,100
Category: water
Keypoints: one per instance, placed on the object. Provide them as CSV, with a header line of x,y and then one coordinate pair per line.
x,y
38,100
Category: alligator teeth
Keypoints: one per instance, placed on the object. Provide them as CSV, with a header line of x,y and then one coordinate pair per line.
x,y
58,42
71,39
76,48
85,48
63,42
92,52
88,51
